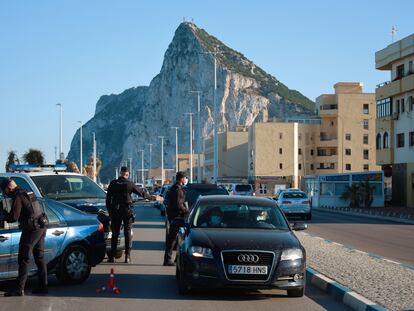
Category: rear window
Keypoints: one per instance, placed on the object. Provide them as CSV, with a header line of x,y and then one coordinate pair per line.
x,y
243,188
294,195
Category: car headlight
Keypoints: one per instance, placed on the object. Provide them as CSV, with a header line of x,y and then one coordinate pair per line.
x,y
201,252
292,254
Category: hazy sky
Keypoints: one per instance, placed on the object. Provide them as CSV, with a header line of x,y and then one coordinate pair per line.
x,y
72,52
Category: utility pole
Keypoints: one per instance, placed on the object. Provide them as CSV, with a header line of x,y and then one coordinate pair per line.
x,y
176,147
61,156
150,160
191,145
394,31
199,136
142,167
94,157
80,148
162,160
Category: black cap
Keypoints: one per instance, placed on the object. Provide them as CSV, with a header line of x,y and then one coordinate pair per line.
x,y
124,169
4,183
180,175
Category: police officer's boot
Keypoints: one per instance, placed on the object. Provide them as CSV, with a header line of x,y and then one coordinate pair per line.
x,y
127,256
16,292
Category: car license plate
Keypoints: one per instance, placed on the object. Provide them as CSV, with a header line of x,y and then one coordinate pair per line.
x,y
233,269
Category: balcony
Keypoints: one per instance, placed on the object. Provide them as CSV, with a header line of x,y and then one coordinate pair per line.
x,y
392,88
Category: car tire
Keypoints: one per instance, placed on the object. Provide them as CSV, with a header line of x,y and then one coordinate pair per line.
x,y
183,288
75,265
119,254
296,292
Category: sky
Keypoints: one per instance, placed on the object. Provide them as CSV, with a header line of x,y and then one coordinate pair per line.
x,y
72,52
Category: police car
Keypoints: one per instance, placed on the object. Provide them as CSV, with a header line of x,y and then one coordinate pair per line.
x,y
79,191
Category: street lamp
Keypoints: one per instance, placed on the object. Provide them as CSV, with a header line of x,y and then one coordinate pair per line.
x,y
80,147
150,160
191,145
142,166
60,133
198,135
176,147
162,159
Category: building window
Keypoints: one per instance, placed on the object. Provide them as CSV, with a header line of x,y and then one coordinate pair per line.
x,y
397,106
281,166
348,151
385,141
366,154
400,140
365,109
402,105
332,123
299,151
311,152
411,103
299,136
365,139
400,72
299,166
311,167
280,135
366,167
366,123
410,67
411,135
378,141
262,188
348,136
348,167
384,108
280,151
326,166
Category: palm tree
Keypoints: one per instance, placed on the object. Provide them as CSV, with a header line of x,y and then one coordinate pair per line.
x,y
353,195
34,156
12,158
367,193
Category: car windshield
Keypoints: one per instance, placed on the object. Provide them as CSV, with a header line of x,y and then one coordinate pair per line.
x,y
294,195
192,194
238,216
67,187
241,188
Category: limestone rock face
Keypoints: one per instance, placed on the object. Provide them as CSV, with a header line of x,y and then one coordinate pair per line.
x,y
126,122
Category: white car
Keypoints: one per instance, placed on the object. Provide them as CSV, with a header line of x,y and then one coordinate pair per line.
x,y
241,189
295,204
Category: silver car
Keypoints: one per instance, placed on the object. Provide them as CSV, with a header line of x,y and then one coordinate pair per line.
x,y
295,204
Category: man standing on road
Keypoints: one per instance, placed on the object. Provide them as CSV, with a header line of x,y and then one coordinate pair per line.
x,y
33,222
176,207
119,204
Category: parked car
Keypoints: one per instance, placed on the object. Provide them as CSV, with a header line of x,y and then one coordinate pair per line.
x,y
249,246
295,204
241,189
73,189
160,205
74,244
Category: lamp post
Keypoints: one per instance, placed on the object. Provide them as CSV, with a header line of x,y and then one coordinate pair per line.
x,y
176,147
94,157
191,145
198,136
162,159
80,147
142,166
150,160
60,132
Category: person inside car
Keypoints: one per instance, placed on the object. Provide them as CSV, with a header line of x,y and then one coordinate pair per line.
x,y
214,219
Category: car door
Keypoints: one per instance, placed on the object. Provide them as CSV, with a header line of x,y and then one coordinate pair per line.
x,y
55,234
5,250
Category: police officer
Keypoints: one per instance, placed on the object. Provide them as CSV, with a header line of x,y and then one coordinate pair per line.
x,y
176,207
33,223
119,205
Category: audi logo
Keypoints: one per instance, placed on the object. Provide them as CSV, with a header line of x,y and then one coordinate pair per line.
x,y
248,258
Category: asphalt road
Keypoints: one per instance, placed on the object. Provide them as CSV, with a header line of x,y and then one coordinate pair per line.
x,y
147,285
384,238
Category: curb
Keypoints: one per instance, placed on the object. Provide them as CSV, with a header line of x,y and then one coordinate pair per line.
x,y
387,218
344,294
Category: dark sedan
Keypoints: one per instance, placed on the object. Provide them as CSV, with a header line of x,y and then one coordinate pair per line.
x,y
242,242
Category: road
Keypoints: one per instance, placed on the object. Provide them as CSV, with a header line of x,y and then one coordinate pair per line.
x,y
385,238
147,285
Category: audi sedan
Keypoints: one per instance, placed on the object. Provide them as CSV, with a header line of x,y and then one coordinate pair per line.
x,y
241,242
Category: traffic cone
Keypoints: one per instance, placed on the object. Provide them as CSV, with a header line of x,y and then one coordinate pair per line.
x,y
110,284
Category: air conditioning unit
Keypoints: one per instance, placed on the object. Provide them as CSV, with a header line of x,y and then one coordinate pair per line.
x,y
395,116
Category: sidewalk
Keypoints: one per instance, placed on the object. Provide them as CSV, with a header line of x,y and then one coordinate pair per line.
x,y
397,214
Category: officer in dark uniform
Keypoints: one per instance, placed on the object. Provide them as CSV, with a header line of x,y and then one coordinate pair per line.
x,y
119,204
33,223
176,207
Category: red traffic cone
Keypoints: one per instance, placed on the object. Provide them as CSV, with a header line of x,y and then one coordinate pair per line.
x,y
110,284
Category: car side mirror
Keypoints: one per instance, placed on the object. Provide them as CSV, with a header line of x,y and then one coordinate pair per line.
x,y
299,226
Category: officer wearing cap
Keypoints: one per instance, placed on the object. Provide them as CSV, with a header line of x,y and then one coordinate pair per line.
x,y
119,204
33,223
176,207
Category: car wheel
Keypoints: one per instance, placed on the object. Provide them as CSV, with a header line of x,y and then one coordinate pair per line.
x,y
75,266
296,292
183,288
119,254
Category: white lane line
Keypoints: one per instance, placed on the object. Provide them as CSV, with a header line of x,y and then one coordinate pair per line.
x,y
391,261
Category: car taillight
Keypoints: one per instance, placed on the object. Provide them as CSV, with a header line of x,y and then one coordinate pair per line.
x,y
305,202
100,228
286,202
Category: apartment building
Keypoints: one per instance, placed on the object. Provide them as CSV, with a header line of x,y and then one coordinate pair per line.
x,y
232,155
184,165
395,119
